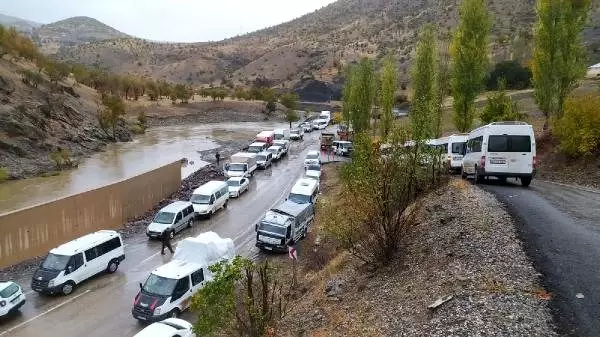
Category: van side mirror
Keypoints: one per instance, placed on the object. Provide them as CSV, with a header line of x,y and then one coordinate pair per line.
x,y
69,269
141,286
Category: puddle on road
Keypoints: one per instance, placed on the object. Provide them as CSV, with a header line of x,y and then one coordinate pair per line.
x,y
159,146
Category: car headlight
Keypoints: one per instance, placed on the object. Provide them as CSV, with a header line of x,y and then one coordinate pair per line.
x,y
51,283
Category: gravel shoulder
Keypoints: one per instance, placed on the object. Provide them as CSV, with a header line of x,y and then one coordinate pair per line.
x,y
465,246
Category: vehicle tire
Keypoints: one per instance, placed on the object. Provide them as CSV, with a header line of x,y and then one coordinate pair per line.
x,y
502,180
172,234
174,313
225,204
67,288
478,179
190,223
525,181
113,265
463,174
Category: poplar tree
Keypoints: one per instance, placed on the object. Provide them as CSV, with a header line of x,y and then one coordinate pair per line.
x,y
469,52
389,84
424,81
559,54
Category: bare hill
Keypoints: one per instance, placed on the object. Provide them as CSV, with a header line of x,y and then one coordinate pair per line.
x,y
73,32
316,45
21,25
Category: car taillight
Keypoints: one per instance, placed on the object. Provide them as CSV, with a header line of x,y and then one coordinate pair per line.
x,y
2,303
482,162
137,299
535,162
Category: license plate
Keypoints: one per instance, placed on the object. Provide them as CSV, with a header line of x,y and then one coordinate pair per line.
x,y
268,248
498,162
140,317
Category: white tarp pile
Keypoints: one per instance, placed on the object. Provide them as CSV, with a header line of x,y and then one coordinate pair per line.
x,y
206,249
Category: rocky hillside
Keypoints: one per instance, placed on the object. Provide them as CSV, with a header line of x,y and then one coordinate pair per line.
x,y
20,24
318,44
37,121
73,32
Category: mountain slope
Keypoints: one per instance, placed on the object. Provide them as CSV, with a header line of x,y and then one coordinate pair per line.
x,y
316,45
72,32
20,24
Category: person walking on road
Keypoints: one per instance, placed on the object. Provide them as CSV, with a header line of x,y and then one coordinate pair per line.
x,y
218,156
166,242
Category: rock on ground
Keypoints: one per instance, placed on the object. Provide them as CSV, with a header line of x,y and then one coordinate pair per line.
x,y
465,246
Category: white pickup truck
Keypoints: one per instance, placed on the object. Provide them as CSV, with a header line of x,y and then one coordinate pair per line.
x,y
241,164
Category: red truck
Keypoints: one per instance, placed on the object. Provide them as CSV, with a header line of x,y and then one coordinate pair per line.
x,y
266,137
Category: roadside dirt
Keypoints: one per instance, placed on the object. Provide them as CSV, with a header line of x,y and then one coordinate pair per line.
x,y
465,247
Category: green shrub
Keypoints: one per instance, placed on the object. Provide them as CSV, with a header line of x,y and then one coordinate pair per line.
x,y
136,129
3,174
516,76
500,107
579,129
61,158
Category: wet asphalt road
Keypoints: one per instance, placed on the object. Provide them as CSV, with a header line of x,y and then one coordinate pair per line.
x,y
560,228
101,306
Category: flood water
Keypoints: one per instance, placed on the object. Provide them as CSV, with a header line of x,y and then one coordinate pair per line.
x,y
157,147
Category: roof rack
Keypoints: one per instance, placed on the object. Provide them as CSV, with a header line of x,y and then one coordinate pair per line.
x,y
509,123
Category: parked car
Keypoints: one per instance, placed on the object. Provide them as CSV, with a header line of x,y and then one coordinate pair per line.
x,y
342,148
306,127
284,225
257,147
277,152
281,134
502,150
172,218
237,185
297,134
210,197
11,298
285,145
170,327
167,291
73,262
304,191
313,169
264,159
312,157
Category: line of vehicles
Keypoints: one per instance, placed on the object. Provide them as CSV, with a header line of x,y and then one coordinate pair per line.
x,y
168,290
500,149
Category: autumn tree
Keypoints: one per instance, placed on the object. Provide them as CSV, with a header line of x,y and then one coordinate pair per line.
x,y
111,114
469,52
389,84
424,80
359,94
559,54
500,107
290,101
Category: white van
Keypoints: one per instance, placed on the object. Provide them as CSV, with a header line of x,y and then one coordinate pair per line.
x,y
502,150
172,218
281,134
168,290
312,158
453,147
264,159
71,263
304,191
210,197
257,147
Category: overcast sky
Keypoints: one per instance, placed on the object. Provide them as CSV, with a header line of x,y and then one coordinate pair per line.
x,y
169,20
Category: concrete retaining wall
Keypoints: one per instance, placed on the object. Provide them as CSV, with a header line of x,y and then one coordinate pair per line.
x,y
33,231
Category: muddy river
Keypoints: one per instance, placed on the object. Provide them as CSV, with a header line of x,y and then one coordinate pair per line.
x,y
157,147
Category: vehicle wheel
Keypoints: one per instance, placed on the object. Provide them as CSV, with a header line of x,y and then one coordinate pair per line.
x,y
190,223
525,181
478,179
174,313
112,266
502,180
68,288
463,174
225,204
171,234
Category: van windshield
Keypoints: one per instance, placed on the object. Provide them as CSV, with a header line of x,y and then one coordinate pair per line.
x,y
164,217
261,157
233,183
299,198
255,149
313,167
279,136
509,143
458,147
159,285
267,227
56,262
312,156
237,167
200,199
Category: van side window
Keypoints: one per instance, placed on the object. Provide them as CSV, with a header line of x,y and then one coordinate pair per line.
x,y
181,287
76,261
218,194
188,210
91,254
108,246
197,277
212,199
179,217
225,191
474,145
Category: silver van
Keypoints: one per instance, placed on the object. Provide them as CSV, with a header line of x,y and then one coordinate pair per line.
x,y
172,218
